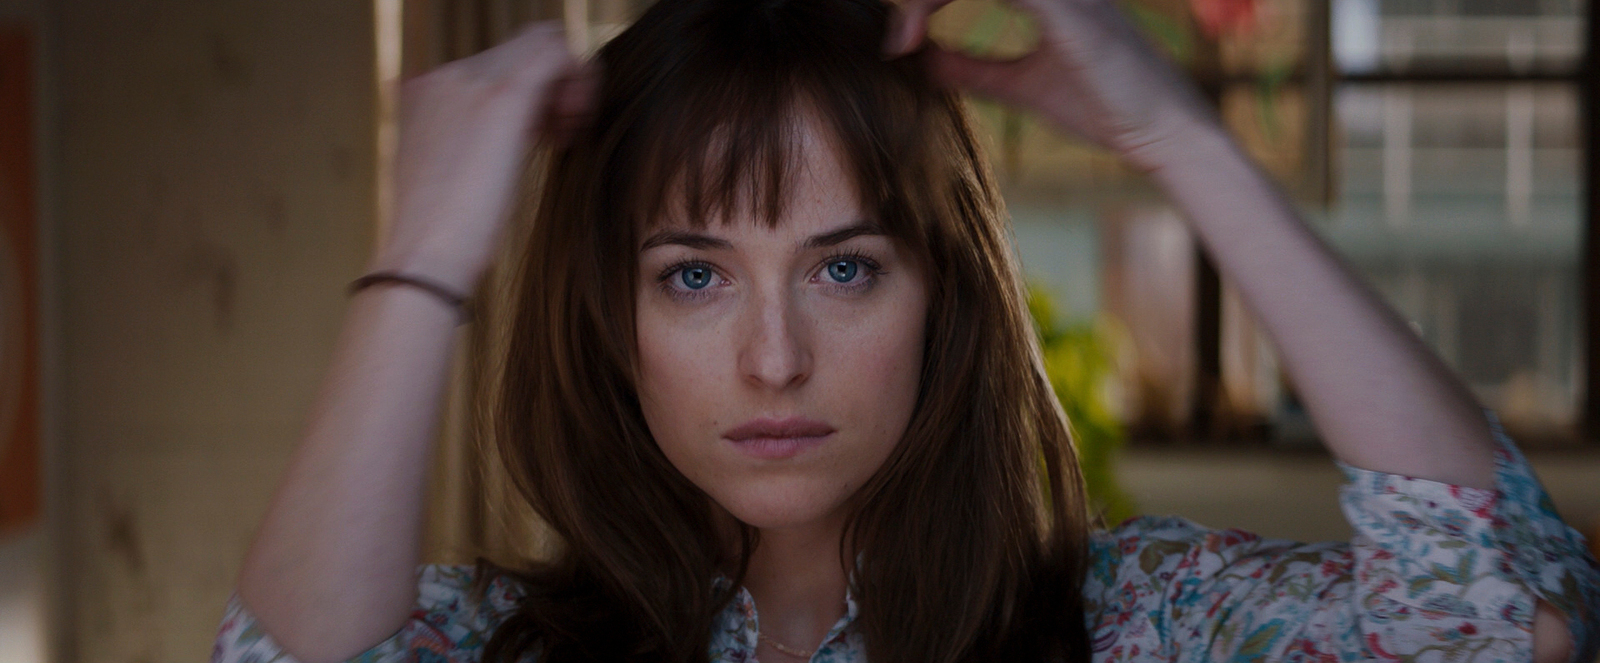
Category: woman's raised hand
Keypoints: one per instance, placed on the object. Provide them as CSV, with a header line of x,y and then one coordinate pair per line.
x,y
1092,74
332,568
465,129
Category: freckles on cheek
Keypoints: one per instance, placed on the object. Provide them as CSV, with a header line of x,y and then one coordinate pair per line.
x,y
677,381
884,363
668,355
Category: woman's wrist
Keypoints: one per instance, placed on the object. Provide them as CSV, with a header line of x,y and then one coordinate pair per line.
x,y
1189,144
456,300
453,274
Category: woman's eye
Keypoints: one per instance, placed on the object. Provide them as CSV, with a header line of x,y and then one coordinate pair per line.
x,y
695,277
843,271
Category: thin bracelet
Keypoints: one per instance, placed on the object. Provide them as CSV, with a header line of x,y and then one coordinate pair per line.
x,y
461,304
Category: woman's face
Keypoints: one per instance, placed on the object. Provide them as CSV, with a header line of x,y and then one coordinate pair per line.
x,y
778,367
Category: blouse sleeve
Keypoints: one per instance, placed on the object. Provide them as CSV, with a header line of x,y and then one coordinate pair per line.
x,y
446,625
1435,572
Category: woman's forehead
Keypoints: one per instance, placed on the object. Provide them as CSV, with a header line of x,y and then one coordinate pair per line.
x,y
796,216
787,168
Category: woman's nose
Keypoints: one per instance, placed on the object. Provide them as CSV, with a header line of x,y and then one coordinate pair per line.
x,y
775,352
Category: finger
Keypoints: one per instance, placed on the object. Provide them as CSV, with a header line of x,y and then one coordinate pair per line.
x,y
572,103
998,79
908,21
575,92
908,25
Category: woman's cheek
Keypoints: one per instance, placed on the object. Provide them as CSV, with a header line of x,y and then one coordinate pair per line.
x,y
676,383
878,361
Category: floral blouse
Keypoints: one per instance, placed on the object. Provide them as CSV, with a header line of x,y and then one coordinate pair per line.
x,y
1434,573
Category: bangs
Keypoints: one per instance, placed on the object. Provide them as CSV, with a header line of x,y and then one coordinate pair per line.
x,y
713,122
740,158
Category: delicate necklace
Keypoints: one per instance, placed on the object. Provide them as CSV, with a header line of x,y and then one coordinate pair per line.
x,y
785,649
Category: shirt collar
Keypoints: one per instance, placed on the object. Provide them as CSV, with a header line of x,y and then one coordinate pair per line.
x,y
735,630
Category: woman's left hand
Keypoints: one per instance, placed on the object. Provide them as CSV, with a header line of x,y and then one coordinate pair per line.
x,y
1092,74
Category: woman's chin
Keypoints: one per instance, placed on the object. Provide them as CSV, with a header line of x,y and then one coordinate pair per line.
x,y
783,509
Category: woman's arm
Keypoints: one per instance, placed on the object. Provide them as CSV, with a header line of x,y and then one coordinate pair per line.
x,y
1379,397
1381,400
332,569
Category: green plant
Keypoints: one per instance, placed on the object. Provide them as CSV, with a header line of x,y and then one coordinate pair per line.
x,y
1079,359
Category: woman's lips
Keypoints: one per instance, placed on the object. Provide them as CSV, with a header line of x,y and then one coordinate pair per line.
x,y
774,439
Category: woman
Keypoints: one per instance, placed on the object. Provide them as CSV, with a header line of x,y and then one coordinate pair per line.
x,y
770,349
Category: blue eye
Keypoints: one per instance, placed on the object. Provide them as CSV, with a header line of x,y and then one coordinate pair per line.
x,y
695,277
843,271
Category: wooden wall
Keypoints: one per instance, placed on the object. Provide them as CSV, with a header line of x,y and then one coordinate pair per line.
x,y
214,193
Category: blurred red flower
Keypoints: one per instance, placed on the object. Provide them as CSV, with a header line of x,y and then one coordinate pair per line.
x,y
1217,17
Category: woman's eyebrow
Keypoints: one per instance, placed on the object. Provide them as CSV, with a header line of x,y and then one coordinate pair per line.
x,y
688,239
834,237
702,241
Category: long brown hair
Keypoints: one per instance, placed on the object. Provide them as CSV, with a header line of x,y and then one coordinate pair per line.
x,y
970,542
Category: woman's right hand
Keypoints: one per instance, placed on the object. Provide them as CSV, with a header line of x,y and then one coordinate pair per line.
x,y
465,129
1092,74
332,569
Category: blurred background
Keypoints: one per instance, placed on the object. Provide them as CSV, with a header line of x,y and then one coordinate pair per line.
x,y
187,185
